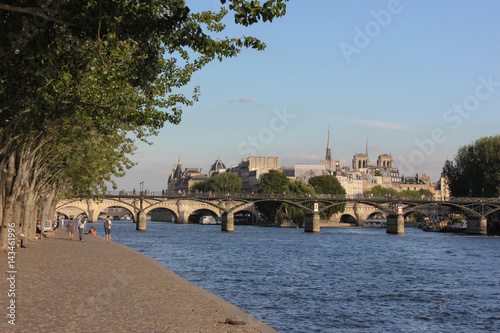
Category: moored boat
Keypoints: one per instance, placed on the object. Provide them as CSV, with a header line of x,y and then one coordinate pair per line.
x,y
455,227
207,219
375,223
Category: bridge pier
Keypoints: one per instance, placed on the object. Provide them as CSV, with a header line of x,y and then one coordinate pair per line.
x,y
141,221
395,224
227,222
93,215
312,223
477,226
184,212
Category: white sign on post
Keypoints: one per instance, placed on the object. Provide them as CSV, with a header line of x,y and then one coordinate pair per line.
x,y
400,210
315,206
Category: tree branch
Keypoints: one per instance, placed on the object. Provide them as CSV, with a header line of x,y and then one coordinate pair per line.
x,y
33,11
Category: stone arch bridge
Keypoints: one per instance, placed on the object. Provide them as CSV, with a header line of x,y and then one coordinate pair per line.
x,y
395,209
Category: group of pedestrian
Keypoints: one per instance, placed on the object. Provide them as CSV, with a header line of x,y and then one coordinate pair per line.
x,y
82,226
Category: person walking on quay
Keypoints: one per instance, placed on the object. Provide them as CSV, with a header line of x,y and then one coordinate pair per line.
x,y
39,229
70,228
107,228
82,226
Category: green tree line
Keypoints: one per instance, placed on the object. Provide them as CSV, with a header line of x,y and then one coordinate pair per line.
x,y
226,182
379,191
475,171
80,79
276,183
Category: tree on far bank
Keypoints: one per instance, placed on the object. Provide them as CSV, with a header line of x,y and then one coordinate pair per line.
x,y
379,191
328,185
273,183
226,182
475,171
416,194
291,212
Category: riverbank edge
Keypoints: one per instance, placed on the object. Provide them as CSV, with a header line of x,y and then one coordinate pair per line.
x,y
249,319
26,313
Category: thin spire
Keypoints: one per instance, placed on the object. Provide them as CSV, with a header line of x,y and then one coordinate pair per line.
x,y
366,146
328,149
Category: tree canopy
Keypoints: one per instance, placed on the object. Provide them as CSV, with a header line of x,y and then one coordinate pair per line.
x,y
380,191
474,170
273,182
80,78
291,212
226,182
329,185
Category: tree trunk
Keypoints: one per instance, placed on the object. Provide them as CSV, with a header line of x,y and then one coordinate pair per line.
x,y
9,201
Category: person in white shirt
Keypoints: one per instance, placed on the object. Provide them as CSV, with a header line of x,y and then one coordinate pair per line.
x,y
107,228
82,226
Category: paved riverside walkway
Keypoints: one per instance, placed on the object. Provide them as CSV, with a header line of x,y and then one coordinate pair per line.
x,y
94,286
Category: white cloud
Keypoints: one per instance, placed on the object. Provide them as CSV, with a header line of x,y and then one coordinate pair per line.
x,y
242,100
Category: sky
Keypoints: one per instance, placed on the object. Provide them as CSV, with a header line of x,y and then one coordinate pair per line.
x,y
415,78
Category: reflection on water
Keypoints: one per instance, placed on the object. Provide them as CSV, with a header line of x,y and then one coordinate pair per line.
x,y
341,280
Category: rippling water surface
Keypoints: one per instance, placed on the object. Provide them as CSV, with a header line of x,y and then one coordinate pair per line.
x,y
340,280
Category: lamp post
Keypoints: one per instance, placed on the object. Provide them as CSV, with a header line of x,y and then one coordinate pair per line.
x,y
482,201
141,187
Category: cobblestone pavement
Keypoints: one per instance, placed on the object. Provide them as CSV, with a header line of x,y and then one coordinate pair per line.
x,y
93,286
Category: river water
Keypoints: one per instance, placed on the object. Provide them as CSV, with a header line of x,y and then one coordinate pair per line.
x,y
340,280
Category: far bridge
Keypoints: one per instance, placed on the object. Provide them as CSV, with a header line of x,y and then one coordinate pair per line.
x,y
225,206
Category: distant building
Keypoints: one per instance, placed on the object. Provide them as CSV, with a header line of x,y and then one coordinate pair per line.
x,y
289,172
180,181
415,184
352,183
385,161
361,161
362,177
252,168
332,166
216,168
303,172
442,189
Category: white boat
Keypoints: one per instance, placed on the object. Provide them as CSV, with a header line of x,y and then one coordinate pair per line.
x,y
207,219
456,227
375,223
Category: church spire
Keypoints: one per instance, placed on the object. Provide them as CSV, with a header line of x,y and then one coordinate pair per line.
x,y
366,146
328,149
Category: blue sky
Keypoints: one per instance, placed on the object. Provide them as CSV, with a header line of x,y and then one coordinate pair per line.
x,y
417,79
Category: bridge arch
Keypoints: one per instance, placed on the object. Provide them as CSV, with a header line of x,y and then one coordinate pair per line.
x,y
170,205
71,211
377,214
93,208
163,214
246,217
195,216
347,218
116,204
